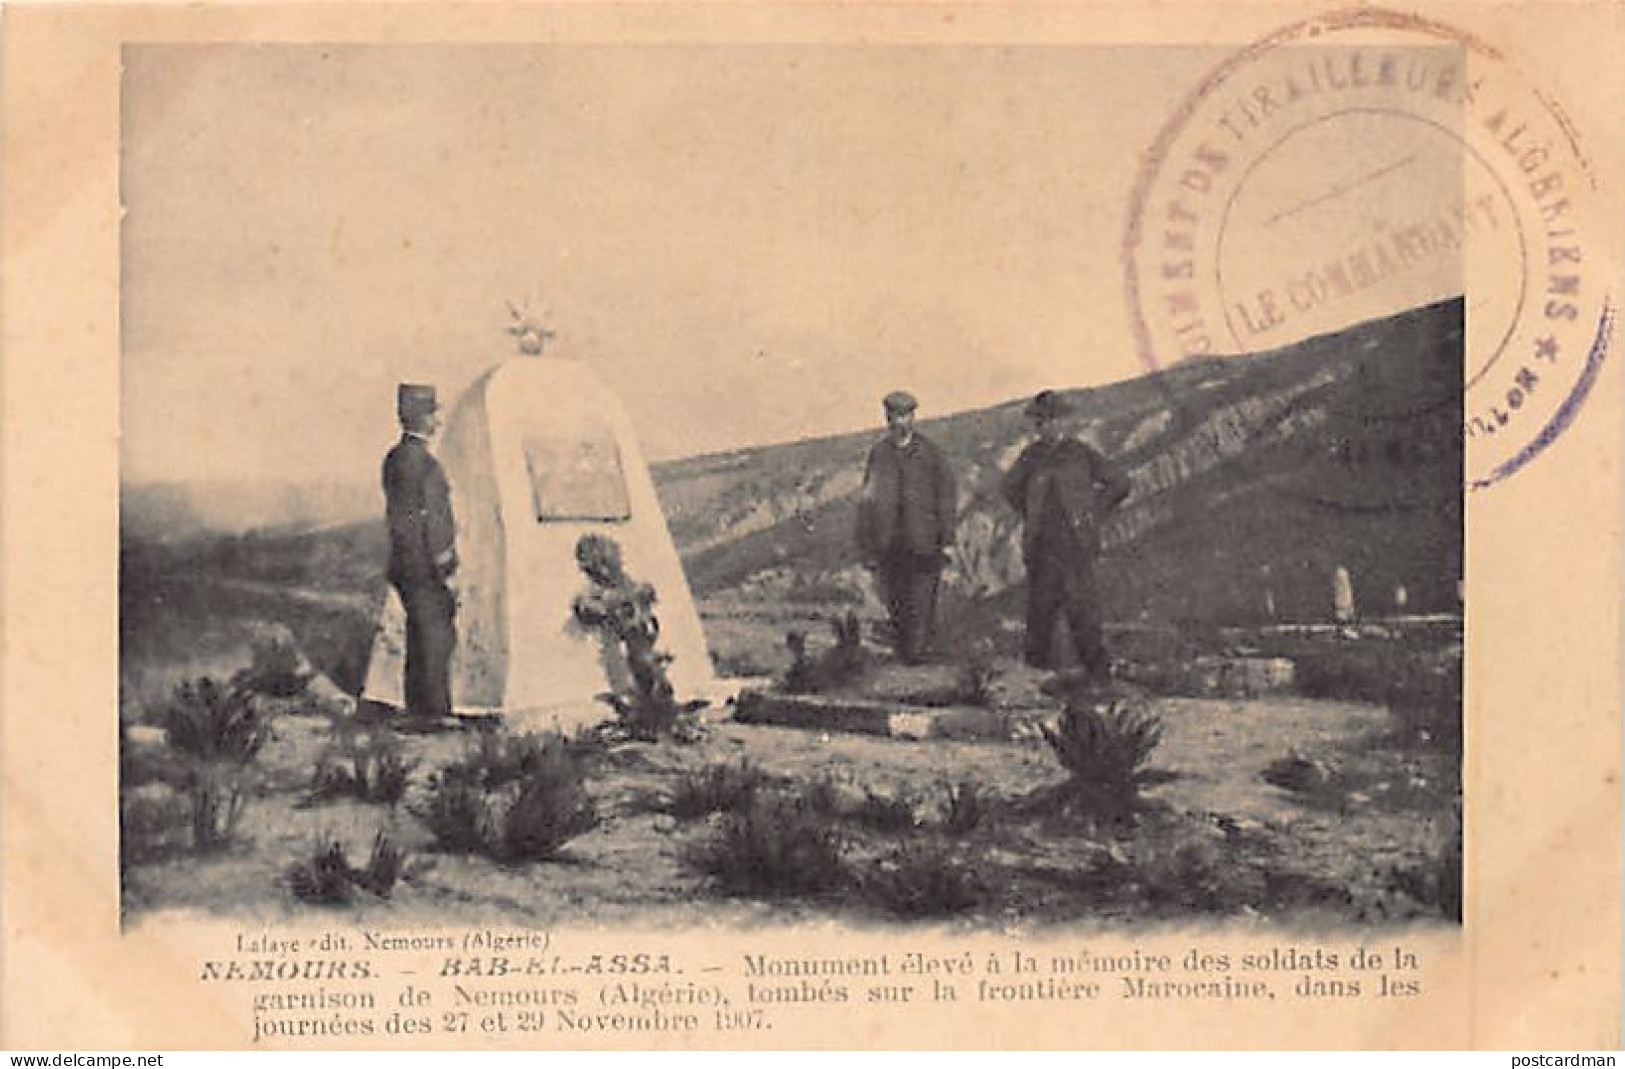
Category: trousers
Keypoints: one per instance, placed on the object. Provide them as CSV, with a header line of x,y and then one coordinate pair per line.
x,y
431,635
1061,582
908,583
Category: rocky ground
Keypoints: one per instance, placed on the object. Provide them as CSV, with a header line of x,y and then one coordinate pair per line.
x,y
1286,810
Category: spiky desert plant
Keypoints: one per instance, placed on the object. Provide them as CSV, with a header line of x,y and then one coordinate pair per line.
x,y
924,880
551,807
327,878
217,732
386,864
498,758
465,800
382,769
324,878
720,788
848,660
1107,750
512,798
775,846
835,667
458,813
965,807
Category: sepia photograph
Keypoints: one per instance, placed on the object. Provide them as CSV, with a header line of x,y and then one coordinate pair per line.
x,y
951,526
548,495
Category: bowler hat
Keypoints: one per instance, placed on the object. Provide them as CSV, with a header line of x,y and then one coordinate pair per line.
x,y
1048,405
900,401
415,399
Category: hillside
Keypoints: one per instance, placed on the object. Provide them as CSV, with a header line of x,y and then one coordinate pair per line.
x,y
169,512
1249,474
1253,479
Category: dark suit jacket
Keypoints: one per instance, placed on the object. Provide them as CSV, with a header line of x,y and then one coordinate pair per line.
x,y
422,533
1083,482
907,501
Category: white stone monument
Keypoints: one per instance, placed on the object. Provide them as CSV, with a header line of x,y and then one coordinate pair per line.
x,y
539,452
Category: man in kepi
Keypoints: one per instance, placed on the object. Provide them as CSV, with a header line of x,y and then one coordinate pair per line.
x,y
1063,488
422,554
906,524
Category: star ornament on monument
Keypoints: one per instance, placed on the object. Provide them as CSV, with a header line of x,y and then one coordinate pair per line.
x,y
530,333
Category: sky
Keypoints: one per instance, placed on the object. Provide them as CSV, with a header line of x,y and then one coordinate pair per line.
x,y
750,243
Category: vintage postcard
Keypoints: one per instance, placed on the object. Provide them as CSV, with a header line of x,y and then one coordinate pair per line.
x,y
939,525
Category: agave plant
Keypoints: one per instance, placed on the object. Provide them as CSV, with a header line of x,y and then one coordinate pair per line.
x,y
775,846
922,879
217,732
721,788
966,806
385,865
1107,750
511,797
327,878
367,766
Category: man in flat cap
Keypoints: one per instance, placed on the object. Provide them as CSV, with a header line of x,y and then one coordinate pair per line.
x,y
422,553
906,518
1063,488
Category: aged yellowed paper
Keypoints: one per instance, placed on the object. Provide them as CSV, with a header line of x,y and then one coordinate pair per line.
x,y
688,526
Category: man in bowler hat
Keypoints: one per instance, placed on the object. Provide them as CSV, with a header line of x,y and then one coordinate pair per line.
x,y
906,519
1063,488
422,553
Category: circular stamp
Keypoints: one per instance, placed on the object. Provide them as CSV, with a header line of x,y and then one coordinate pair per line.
x,y
1389,202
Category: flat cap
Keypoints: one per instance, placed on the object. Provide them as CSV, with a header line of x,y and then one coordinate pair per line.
x,y
900,401
1048,405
